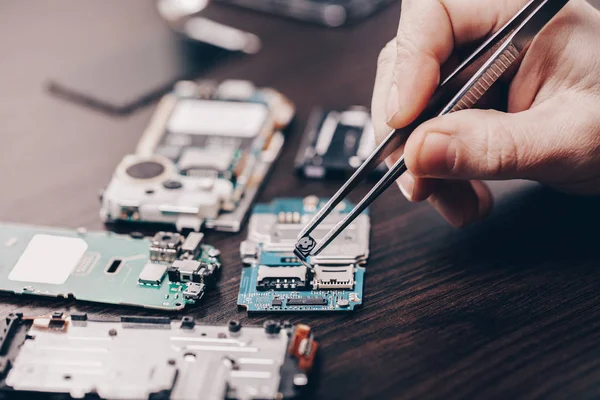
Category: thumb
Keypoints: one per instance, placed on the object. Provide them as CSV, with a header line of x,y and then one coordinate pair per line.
x,y
483,144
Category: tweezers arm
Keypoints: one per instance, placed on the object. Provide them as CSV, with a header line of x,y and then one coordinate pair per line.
x,y
480,70
387,147
398,169
397,137
489,73
485,79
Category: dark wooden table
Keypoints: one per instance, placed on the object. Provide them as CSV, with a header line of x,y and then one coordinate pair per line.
x,y
508,308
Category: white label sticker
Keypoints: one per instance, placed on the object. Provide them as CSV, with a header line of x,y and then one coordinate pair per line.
x,y
217,118
48,259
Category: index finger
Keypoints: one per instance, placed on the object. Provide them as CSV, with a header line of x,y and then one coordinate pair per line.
x,y
428,32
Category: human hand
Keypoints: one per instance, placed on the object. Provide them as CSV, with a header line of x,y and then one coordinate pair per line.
x,y
550,132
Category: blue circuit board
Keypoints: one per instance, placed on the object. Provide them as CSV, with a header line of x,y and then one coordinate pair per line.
x,y
257,301
293,212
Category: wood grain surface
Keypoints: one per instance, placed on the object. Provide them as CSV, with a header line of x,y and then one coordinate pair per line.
x,y
508,308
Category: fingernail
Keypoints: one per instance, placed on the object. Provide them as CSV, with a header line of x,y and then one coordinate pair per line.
x,y
407,185
449,211
393,104
438,154
484,197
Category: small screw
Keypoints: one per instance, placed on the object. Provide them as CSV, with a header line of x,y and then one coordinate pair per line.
x,y
271,327
234,325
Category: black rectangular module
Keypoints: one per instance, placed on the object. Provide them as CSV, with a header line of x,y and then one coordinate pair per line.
x,y
336,143
133,319
308,301
303,248
277,302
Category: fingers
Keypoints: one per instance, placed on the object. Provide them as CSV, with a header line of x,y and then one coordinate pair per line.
x,y
479,144
546,143
461,202
484,197
408,74
409,67
414,189
428,32
383,84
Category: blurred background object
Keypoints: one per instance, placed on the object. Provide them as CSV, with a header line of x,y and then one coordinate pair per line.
x,y
335,143
332,13
184,44
182,16
181,45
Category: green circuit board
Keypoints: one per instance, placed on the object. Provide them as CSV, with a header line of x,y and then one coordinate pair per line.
x,y
274,280
101,267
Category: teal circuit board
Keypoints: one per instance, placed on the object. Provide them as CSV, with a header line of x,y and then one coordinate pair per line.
x,y
274,280
165,272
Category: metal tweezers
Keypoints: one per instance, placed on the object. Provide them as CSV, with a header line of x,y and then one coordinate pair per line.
x,y
459,91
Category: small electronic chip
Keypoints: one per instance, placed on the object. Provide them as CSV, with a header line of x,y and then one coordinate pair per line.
x,y
307,301
152,274
203,158
304,247
275,278
191,245
185,271
336,143
277,302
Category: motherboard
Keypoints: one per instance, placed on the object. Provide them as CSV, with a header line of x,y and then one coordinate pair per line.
x,y
202,159
167,272
274,279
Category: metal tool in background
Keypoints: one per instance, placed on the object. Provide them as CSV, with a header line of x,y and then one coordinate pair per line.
x,y
331,13
183,17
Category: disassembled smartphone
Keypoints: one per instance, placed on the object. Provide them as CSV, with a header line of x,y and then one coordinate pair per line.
x,y
273,278
166,272
202,159
61,356
331,13
336,143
